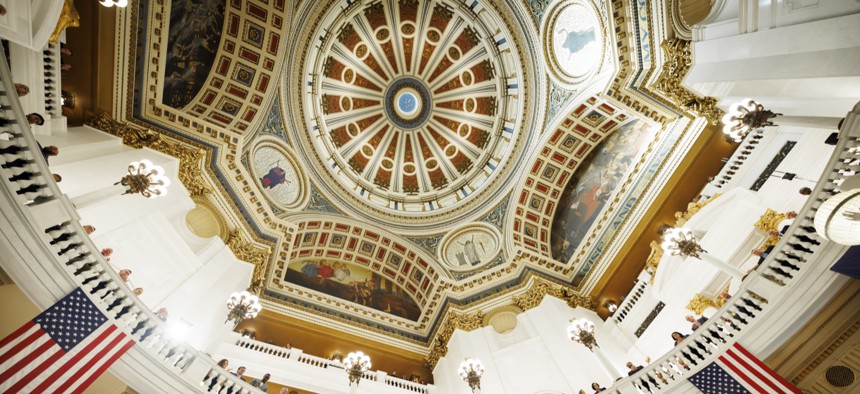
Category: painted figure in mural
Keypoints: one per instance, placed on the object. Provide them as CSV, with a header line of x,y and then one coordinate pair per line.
x,y
275,177
575,41
363,292
341,272
311,269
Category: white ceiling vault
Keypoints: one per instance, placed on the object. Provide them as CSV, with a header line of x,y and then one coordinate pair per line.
x,y
390,163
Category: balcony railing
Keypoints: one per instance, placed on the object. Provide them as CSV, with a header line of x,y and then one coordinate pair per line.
x,y
47,252
296,360
778,275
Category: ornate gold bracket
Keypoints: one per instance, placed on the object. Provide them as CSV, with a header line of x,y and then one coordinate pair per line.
x,y
190,158
259,257
540,288
679,60
69,17
699,303
453,321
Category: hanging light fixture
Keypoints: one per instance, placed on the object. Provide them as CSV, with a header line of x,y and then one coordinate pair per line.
x,y
471,371
582,331
838,218
242,306
356,364
745,116
681,241
146,179
111,3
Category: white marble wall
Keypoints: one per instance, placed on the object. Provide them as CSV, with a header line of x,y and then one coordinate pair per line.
x,y
190,276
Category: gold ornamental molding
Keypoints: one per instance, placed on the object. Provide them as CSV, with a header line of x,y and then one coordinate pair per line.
x,y
190,158
699,303
541,288
453,321
246,251
679,60
69,17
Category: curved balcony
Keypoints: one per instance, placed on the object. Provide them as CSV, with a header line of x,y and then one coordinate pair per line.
x,y
48,254
772,295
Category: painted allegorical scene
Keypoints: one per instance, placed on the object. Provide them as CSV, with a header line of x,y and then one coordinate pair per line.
x,y
353,283
193,38
591,186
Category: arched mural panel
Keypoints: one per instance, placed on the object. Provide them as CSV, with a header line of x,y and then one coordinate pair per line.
x,y
591,185
353,283
193,39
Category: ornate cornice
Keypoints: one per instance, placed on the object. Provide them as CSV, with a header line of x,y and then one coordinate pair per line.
x,y
541,288
679,60
246,251
453,321
190,158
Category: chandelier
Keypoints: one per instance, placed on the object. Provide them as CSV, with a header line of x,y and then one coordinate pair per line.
x,y
680,241
146,179
745,116
241,306
471,371
356,364
582,331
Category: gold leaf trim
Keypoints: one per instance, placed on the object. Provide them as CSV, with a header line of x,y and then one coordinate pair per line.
x,y
190,158
679,59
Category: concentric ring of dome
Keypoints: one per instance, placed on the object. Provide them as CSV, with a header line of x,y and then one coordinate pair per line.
x,y
415,108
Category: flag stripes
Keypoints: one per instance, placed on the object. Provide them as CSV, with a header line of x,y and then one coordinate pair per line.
x,y
63,350
737,370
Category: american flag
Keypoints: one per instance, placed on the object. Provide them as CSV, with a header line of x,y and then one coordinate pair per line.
x,y
63,350
738,371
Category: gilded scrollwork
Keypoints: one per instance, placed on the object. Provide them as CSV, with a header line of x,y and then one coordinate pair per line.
x,y
453,321
190,158
247,252
679,59
699,303
540,288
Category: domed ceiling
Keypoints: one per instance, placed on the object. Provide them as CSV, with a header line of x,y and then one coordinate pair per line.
x,y
390,165
414,109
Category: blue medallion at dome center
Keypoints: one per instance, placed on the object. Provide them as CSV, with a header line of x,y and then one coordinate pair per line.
x,y
407,103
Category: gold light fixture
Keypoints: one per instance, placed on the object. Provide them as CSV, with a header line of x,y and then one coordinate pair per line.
x,y
471,371
582,331
356,364
242,306
146,179
680,241
745,116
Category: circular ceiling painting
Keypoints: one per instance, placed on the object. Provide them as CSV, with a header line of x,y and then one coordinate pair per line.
x,y
574,36
274,168
415,105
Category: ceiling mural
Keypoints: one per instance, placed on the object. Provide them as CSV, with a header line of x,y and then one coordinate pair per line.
x,y
413,157
279,174
573,39
590,187
192,41
354,283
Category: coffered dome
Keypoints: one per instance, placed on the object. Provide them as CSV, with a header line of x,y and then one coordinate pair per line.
x,y
414,110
